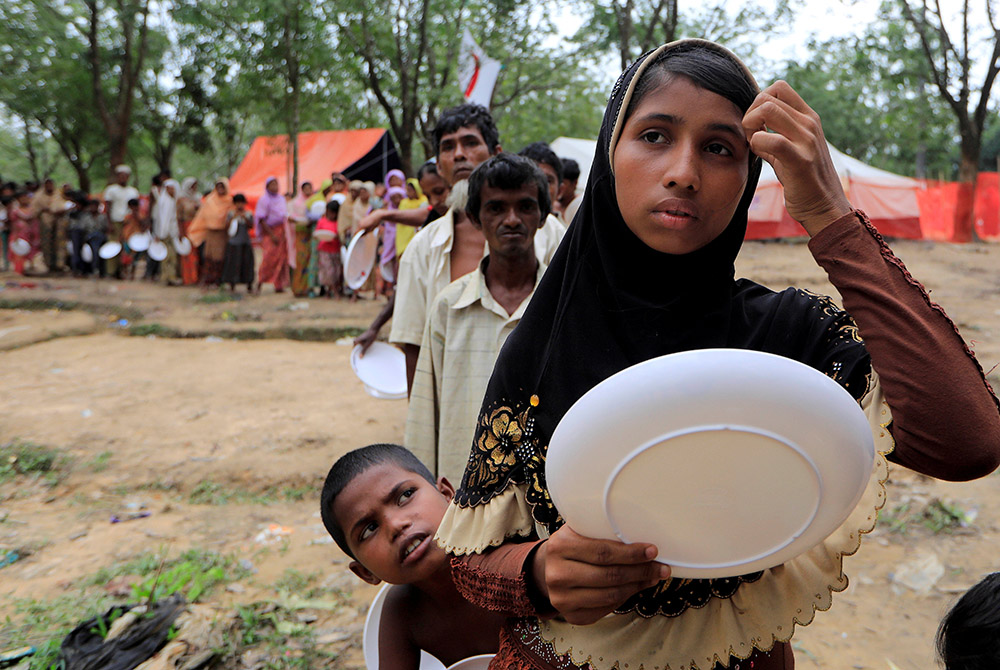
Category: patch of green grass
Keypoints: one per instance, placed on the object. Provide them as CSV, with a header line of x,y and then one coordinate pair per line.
x,y
158,329
100,462
937,516
27,459
285,643
217,297
43,304
296,581
44,623
212,493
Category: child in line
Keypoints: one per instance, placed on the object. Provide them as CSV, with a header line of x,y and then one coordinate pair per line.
x,y
382,507
331,270
238,263
132,225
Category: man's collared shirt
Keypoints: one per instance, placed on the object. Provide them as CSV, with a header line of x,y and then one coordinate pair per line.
x,y
425,270
465,330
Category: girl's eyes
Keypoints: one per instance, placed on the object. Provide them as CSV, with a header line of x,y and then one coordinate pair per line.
x,y
716,148
657,137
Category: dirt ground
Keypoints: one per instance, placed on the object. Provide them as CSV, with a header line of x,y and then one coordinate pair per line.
x,y
221,417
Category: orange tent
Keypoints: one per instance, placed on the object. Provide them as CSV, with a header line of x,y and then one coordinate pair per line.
x,y
365,154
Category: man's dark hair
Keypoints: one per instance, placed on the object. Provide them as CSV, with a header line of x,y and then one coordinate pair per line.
x,y
468,114
354,463
306,183
426,168
541,152
969,637
571,169
507,172
133,203
239,197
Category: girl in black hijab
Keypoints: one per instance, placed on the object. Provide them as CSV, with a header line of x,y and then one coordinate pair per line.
x,y
646,270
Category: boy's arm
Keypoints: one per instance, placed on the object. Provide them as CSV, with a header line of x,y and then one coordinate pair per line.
x,y
396,649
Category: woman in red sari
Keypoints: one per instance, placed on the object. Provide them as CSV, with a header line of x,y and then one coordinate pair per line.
x,y
271,227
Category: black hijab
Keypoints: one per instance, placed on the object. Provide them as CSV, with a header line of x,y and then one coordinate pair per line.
x,y
607,301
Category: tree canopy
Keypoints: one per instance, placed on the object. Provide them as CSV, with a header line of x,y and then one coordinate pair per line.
x,y
188,84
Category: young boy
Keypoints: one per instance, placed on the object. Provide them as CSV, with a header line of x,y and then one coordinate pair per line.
x,y
238,262
382,507
330,275
470,319
131,225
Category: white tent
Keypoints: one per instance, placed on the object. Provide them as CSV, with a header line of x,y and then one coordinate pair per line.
x,y
582,151
890,200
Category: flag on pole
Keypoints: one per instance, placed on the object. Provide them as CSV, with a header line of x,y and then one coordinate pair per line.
x,y
477,72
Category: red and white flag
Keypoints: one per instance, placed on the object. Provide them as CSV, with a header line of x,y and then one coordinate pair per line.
x,y
477,72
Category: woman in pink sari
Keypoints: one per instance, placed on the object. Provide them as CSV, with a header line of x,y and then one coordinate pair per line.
x,y
271,228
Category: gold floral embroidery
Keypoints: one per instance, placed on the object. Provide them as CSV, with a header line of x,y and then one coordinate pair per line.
x,y
503,437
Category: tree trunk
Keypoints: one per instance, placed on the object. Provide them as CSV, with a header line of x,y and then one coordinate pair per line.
x,y
294,120
82,175
29,146
968,173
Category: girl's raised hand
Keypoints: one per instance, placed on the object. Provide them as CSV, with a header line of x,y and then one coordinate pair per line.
x,y
796,148
585,579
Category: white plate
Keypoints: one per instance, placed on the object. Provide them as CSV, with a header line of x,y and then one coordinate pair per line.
x,y
86,253
182,245
729,461
109,250
140,241
386,270
324,235
157,250
360,259
382,370
317,210
20,247
369,641
481,662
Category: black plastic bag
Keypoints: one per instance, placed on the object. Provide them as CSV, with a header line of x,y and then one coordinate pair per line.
x,y
85,648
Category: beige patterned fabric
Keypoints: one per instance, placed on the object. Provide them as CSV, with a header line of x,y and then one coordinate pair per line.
x,y
758,615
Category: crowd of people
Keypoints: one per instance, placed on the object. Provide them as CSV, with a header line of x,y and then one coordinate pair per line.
x,y
180,236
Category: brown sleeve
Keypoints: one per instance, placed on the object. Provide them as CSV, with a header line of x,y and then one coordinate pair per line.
x,y
945,415
496,580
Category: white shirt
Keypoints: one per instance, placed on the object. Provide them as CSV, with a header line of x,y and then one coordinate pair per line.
x,y
425,270
466,328
117,197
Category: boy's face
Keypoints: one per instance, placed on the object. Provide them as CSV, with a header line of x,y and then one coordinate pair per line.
x,y
509,219
436,191
389,516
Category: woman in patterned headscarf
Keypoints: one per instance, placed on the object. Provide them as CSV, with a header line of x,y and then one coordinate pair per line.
x,y
647,269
